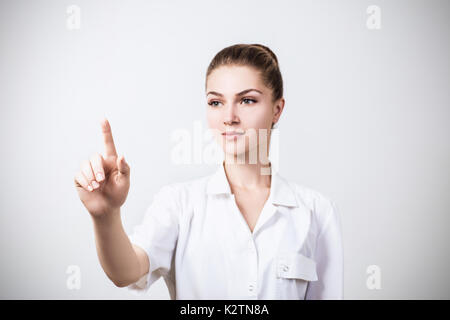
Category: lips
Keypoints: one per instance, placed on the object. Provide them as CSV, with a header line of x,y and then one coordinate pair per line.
x,y
232,133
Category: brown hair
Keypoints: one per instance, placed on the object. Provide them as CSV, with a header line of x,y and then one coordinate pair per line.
x,y
254,55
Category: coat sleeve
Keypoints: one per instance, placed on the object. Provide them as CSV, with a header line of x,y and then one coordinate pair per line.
x,y
329,257
157,235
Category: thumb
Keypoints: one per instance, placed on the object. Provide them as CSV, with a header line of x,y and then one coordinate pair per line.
x,y
124,168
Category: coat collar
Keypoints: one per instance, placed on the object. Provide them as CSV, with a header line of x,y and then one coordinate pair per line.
x,y
281,192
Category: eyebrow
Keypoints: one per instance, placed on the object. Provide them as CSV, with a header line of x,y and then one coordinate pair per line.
x,y
237,94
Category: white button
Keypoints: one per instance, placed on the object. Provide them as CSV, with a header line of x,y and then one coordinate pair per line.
x,y
285,268
250,288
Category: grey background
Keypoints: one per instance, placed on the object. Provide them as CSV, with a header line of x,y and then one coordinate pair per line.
x,y
365,123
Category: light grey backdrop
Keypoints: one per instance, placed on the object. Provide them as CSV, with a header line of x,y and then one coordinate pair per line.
x,y
365,123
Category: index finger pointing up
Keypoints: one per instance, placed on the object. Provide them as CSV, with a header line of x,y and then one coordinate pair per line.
x,y
110,148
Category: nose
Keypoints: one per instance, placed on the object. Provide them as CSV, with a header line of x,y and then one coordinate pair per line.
x,y
231,116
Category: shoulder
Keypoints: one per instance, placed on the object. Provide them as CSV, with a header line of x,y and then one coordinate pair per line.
x,y
312,198
323,208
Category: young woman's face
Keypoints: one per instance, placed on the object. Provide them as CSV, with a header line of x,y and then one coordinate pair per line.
x,y
237,100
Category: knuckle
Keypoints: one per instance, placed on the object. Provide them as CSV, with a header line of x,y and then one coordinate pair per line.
x,y
77,182
87,171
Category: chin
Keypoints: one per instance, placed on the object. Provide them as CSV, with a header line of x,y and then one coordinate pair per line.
x,y
235,149
239,155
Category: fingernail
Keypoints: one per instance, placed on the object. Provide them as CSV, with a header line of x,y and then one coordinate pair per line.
x,y
99,176
95,184
90,188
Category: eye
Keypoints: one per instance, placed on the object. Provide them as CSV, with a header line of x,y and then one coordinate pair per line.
x,y
212,103
247,99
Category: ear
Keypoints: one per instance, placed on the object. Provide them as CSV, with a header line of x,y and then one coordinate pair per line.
x,y
278,109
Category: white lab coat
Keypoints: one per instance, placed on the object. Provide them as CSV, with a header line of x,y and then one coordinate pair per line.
x,y
199,242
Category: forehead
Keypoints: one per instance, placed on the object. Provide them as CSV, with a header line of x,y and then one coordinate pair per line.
x,y
233,79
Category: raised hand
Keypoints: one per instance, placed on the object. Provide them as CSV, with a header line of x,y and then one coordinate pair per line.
x,y
103,182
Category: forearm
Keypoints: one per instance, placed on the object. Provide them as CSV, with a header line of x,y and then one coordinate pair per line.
x,y
115,251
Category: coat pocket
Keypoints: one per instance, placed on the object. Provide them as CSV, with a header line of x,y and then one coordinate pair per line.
x,y
294,271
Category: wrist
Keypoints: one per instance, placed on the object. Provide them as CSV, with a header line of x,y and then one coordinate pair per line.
x,y
109,218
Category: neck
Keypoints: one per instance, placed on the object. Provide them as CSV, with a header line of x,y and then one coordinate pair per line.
x,y
248,176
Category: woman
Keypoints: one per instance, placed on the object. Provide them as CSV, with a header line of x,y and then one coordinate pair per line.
x,y
243,232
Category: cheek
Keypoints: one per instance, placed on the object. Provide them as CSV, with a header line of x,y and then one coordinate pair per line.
x,y
213,119
257,118
214,127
